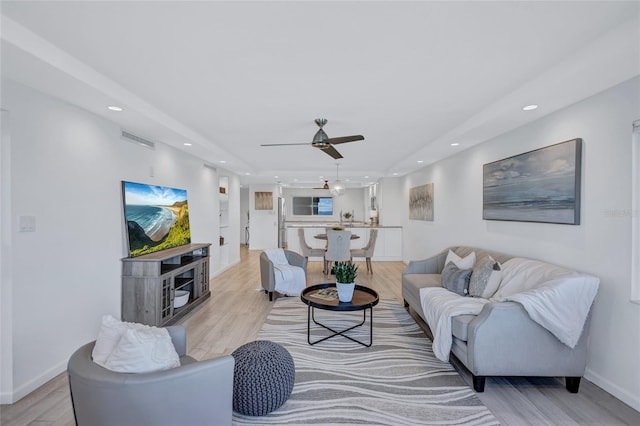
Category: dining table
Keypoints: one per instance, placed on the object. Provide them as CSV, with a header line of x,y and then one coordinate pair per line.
x,y
324,236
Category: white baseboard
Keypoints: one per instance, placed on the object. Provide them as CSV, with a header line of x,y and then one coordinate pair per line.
x,y
622,394
221,270
33,384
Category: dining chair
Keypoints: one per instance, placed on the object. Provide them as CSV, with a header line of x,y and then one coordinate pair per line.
x,y
306,249
338,248
367,250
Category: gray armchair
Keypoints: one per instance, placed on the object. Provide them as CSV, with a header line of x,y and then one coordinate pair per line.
x,y
197,392
267,276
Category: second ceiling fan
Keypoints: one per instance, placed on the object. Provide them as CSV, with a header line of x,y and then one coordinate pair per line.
x,y
324,142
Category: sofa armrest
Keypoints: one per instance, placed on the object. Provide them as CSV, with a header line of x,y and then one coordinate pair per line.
x,y
503,340
431,265
179,338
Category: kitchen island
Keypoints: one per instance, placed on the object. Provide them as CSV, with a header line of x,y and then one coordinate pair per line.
x,y
388,245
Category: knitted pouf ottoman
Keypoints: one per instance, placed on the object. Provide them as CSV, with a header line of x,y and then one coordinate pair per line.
x,y
262,378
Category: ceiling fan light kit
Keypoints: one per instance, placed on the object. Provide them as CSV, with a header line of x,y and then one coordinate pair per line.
x,y
337,188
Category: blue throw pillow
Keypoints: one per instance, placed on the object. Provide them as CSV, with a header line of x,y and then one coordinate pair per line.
x,y
455,279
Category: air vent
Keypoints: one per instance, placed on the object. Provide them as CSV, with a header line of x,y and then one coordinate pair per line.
x,y
137,139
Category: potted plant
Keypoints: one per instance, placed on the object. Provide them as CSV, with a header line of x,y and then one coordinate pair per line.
x,y
346,274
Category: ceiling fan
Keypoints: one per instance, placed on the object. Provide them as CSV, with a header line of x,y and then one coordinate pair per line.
x,y
325,186
324,142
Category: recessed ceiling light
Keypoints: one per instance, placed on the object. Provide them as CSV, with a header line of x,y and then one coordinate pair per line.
x,y
247,174
222,161
455,144
295,180
366,177
114,108
395,174
529,107
321,177
347,180
420,161
187,144
276,177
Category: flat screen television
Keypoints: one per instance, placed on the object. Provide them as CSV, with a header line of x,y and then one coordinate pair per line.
x,y
157,217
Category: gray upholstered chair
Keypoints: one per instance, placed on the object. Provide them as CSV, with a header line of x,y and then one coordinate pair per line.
x,y
267,274
308,251
367,251
338,248
197,392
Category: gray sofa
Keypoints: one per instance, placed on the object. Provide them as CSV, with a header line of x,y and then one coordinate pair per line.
x,y
502,340
197,392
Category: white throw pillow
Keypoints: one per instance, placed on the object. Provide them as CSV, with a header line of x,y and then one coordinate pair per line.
x,y
486,277
110,333
466,263
143,351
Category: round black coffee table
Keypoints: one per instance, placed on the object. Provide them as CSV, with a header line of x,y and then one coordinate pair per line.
x,y
363,298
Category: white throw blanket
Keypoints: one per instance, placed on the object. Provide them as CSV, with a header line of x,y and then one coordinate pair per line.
x,y
439,306
556,298
290,280
561,306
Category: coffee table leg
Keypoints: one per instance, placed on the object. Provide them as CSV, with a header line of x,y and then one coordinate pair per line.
x,y
311,315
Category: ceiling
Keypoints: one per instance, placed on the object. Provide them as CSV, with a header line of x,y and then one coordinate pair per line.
x,y
412,77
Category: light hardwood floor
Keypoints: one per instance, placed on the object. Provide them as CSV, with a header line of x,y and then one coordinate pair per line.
x,y
237,309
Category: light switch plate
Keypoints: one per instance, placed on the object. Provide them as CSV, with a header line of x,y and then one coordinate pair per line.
x,y
27,224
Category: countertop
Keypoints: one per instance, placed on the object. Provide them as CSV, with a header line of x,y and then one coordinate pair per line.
x,y
327,224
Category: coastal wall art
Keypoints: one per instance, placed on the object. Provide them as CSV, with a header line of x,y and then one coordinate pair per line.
x,y
157,217
264,201
421,202
538,186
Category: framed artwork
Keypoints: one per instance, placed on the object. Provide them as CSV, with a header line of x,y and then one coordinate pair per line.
x,y
421,202
538,186
264,201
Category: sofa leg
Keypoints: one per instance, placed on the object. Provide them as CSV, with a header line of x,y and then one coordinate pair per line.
x,y
406,304
270,296
572,384
478,383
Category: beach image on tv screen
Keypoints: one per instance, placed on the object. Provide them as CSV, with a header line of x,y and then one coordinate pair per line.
x,y
157,217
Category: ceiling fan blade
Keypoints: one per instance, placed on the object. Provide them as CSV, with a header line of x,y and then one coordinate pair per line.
x,y
332,152
343,139
283,144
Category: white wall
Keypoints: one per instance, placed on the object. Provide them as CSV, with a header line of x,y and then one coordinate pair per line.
x,y
244,209
599,245
391,202
66,166
6,269
264,223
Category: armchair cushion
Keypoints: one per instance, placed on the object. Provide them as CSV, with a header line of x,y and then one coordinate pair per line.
x,y
129,347
143,351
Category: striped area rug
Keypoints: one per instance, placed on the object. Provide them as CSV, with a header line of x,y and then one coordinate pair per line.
x,y
397,381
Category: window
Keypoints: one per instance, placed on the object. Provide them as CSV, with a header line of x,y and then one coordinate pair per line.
x,y
313,206
635,214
